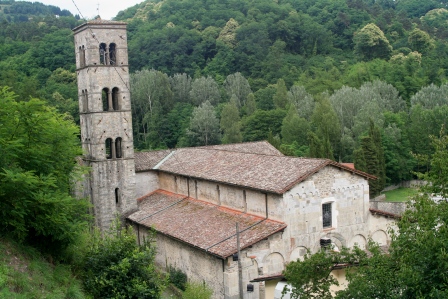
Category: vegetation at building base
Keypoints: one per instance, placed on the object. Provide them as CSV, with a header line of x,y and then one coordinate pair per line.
x,y
414,265
116,266
37,168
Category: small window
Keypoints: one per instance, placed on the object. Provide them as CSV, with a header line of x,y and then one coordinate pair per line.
x,y
117,197
327,215
109,148
85,100
118,148
83,57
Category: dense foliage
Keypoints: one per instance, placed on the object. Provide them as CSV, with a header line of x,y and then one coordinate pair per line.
x,y
116,266
306,75
39,147
413,267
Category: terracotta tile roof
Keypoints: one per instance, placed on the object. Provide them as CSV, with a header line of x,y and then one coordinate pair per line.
x,y
200,224
258,147
149,160
349,165
267,173
384,213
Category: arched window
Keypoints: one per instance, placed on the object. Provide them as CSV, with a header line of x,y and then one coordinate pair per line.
x,y
117,197
109,148
103,54
80,56
83,57
86,101
113,54
115,95
106,98
83,100
118,147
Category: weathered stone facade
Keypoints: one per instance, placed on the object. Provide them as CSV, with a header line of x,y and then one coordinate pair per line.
x,y
105,118
300,208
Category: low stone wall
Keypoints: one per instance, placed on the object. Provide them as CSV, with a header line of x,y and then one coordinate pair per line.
x,y
405,184
391,207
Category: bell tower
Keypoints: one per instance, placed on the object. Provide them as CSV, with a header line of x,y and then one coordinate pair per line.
x,y
105,118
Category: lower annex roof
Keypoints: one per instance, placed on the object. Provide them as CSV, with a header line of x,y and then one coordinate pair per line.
x,y
200,224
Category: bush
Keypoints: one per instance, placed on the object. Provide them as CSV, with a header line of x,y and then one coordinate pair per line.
x,y
197,291
178,278
117,267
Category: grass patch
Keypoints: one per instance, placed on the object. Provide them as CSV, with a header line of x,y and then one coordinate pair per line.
x,y
25,273
400,194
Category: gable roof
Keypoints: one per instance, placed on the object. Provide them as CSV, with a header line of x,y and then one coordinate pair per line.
x,y
200,224
257,147
267,173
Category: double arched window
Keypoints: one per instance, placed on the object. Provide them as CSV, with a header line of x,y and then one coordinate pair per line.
x,y
108,55
114,148
110,99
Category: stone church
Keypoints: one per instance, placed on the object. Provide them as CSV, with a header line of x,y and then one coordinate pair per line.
x,y
231,216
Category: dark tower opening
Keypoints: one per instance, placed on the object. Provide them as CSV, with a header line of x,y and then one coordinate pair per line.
x,y
118,147
109,148
117,197
86,101
113,54
103,54
105,99
115,97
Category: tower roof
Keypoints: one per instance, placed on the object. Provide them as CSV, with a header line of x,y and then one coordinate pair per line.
x,y
99,23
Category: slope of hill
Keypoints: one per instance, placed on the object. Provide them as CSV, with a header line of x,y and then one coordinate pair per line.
x,y
24,273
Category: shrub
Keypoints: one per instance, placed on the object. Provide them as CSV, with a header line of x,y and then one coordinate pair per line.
x,y
117,267
178,278
197,290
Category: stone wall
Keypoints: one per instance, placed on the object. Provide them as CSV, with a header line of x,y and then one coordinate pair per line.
x,y
396,208
349,197
196,264
145,182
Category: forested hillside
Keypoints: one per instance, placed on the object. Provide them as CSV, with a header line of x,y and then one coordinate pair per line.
x,y
351,80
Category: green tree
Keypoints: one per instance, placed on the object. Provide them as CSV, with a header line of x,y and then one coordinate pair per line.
x,y
370,42
204,125
36,172
326,126
116,266
236,84
420,41
281,95
294,128
302,101
251,105
152,98
262,123
181,86
203,90
370,158
230,123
